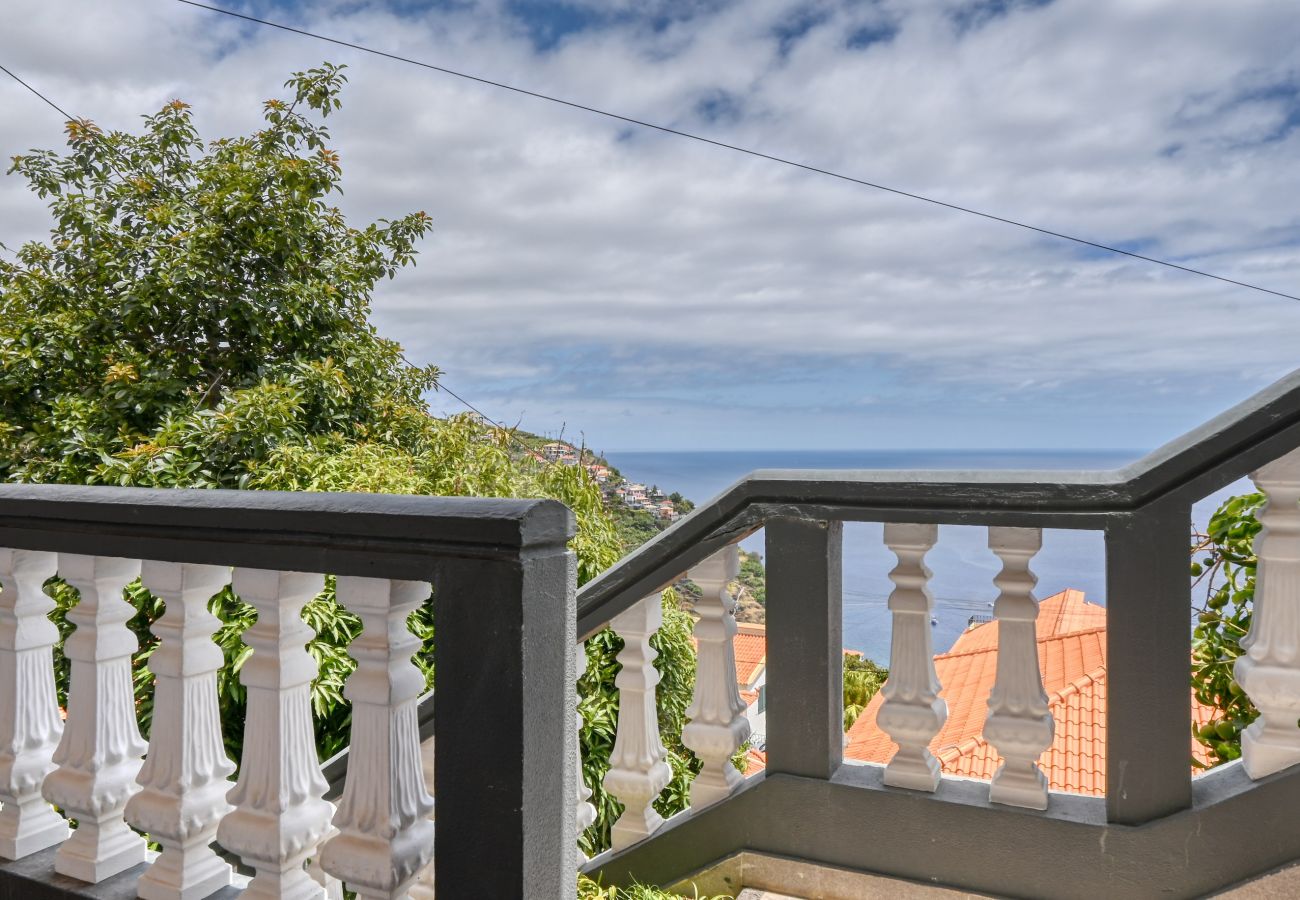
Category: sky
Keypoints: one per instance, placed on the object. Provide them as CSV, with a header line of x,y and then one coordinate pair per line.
x,y
649,292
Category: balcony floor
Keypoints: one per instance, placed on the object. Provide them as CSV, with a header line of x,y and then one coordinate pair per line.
x,y
754,876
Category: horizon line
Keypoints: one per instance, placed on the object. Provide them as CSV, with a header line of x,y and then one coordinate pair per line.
x,y
1056,450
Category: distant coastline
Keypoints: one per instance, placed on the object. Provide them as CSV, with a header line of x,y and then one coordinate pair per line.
x,y
701,474
962,564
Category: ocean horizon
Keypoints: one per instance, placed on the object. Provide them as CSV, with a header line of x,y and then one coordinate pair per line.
x,y
962,564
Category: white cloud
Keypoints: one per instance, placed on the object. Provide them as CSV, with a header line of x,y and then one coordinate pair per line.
x,y
577,258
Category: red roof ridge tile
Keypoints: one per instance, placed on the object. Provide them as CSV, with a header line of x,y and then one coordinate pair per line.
x,y
976,745
993,648
1076,686
956,751
1071,634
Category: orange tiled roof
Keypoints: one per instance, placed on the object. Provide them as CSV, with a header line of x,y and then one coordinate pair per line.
x,y
755,761
1059,614
1076,760
967,676
750,648
1069,611
1072,659
751,651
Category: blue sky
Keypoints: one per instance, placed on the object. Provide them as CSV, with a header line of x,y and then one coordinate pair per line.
x,y
654,293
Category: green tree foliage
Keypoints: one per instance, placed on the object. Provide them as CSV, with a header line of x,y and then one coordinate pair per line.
x,y
1224,563
635,526
200,317
753,577
680,504
591,890
198,306
751,589
862,679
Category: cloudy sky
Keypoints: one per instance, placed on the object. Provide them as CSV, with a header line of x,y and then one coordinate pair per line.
x,y
652,292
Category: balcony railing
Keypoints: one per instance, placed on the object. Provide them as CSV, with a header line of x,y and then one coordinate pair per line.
x,y
1156,832
501,579
510,799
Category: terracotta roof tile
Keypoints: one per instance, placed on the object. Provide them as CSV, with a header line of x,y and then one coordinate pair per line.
x,y
1059,614
750,644
1072,660
750,648
1069,611
967,678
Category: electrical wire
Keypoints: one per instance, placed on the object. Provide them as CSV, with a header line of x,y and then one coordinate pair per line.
x,y
48,102
641,123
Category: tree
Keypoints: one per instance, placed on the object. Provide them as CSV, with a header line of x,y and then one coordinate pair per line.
x,y
591,890
680,504
862,679
199,306
753,576
1226,569
635,526
200,317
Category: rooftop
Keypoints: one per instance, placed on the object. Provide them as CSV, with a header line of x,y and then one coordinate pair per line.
x,y
751,652
1072,660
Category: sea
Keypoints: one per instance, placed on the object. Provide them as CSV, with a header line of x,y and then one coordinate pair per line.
x,y
962,564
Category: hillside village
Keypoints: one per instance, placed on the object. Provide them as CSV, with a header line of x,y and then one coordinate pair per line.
x,y
618,491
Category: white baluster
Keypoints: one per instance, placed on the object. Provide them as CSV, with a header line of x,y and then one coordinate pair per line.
x,y
584,812
99,755
279,817
1019,723
385,837
1269,669
912,712
185,777
718,726
30,725
639,768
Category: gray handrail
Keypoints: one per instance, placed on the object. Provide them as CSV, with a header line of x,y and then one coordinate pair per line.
x,y
1205,459
387,535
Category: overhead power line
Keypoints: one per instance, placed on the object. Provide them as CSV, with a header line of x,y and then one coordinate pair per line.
x,y
641,123
48,102
474,409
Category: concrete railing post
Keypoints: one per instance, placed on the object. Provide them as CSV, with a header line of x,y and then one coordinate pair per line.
x,y
805,611
1148,658
503,722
